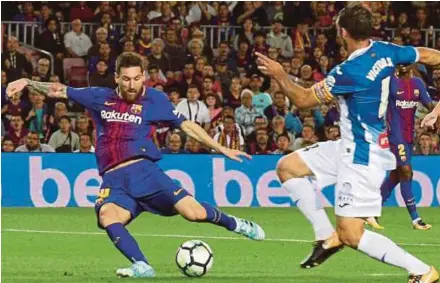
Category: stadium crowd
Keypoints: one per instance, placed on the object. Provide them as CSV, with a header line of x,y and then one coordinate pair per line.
x,y
219,88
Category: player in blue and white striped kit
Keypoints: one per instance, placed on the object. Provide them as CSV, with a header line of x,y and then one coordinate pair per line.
x,y
357,163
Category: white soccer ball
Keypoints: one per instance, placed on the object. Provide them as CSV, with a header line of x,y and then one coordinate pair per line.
x,y
194,258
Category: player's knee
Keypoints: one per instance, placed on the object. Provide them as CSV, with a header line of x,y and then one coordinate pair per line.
x,y
286,168
350,236
405,173
108,215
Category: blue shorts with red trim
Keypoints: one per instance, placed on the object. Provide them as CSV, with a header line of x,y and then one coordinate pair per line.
x,y
138,187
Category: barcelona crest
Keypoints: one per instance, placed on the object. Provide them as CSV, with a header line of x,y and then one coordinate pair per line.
x,y
136,109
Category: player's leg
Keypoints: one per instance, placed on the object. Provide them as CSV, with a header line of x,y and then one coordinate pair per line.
x,y
388,185
318,160
115,209
358,198
190,209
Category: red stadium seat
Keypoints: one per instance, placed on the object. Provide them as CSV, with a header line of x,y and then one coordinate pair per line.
x,y
69,63
78,76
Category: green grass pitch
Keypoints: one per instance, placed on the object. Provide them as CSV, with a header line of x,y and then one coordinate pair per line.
x,y
73,256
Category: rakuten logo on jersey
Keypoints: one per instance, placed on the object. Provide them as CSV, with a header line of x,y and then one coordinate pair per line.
x,y
405,104
113,116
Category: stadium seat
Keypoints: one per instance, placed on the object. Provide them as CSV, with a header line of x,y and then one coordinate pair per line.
x,y
69,64
77,76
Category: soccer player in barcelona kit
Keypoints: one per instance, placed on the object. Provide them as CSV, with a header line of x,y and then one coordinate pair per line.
x,y
358,162
406,91
125,119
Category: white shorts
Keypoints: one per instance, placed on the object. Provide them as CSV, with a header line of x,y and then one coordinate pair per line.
x,y
357,190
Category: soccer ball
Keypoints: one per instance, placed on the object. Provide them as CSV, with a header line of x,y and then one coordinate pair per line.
x,y
194,258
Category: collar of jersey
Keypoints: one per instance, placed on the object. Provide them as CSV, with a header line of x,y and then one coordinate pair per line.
x,y
360,51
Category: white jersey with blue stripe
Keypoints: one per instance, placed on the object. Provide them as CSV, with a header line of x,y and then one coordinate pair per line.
x,y
361,84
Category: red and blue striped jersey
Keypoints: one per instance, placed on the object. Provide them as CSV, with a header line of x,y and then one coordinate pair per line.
x,y
404,97
125,130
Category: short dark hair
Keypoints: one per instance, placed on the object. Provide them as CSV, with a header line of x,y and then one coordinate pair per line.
x,y
127,60
153,67
209,78
65,117
284,134
85,134
357,20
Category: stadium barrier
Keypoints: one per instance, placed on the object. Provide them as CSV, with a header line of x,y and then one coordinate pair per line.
x,y
61,180
26,32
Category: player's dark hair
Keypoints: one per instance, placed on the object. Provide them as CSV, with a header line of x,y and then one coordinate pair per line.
x,y
356,19
127,60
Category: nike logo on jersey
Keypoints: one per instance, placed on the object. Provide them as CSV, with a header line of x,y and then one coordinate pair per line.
x,y
177,192
400,92
109,103
405,104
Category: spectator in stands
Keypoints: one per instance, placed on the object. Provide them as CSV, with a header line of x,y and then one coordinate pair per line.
x,y
60,110
38,115
188,78
16,131
279,40
416,38
262,146
206,49
43,68
28,13
213,103
225,55
307,135
101,35
130,32
15,64
379,32
279,128
233,97
174,96
323,18
194,147
195,48
174,144
254,10
306,73
260,123
322,69
82,125
246,114
81,11
44,14
246,34
424,146
243,57
194,109
222,73
174,50
275,11
282,144
51,40
333,133
33,144
208,87
260,100
102,77
157,57
106,22
143,45
156,12
260,44
7,145
230,136
301,37
14,106
104,54
128,46
154,79
77,43
85,144
421,20
64,140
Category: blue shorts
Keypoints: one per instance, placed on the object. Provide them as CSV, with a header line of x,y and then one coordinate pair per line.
x,y
403,153
138,187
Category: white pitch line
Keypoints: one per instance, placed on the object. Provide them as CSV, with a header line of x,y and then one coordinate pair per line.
x,y
189,236
384,274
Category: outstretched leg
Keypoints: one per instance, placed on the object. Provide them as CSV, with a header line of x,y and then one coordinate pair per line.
x,y
192,210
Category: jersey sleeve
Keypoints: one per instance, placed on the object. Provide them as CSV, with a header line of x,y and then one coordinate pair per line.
x,y
405,55
167,111
424,95
88,97
337,82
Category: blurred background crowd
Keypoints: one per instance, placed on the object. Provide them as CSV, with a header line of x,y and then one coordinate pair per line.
x,y
202,55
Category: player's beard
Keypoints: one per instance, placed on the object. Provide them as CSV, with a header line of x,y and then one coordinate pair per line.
x,y
131,95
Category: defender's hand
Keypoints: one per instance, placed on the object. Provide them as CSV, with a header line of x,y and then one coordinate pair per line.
x,y
429,120
235,154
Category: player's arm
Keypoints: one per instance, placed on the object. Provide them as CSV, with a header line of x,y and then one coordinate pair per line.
x,y
301,97
429,56
431,118
198,133
50,89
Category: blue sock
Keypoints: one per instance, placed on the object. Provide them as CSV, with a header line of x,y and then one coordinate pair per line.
x,y
387,187
408,197
124,242
215,216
